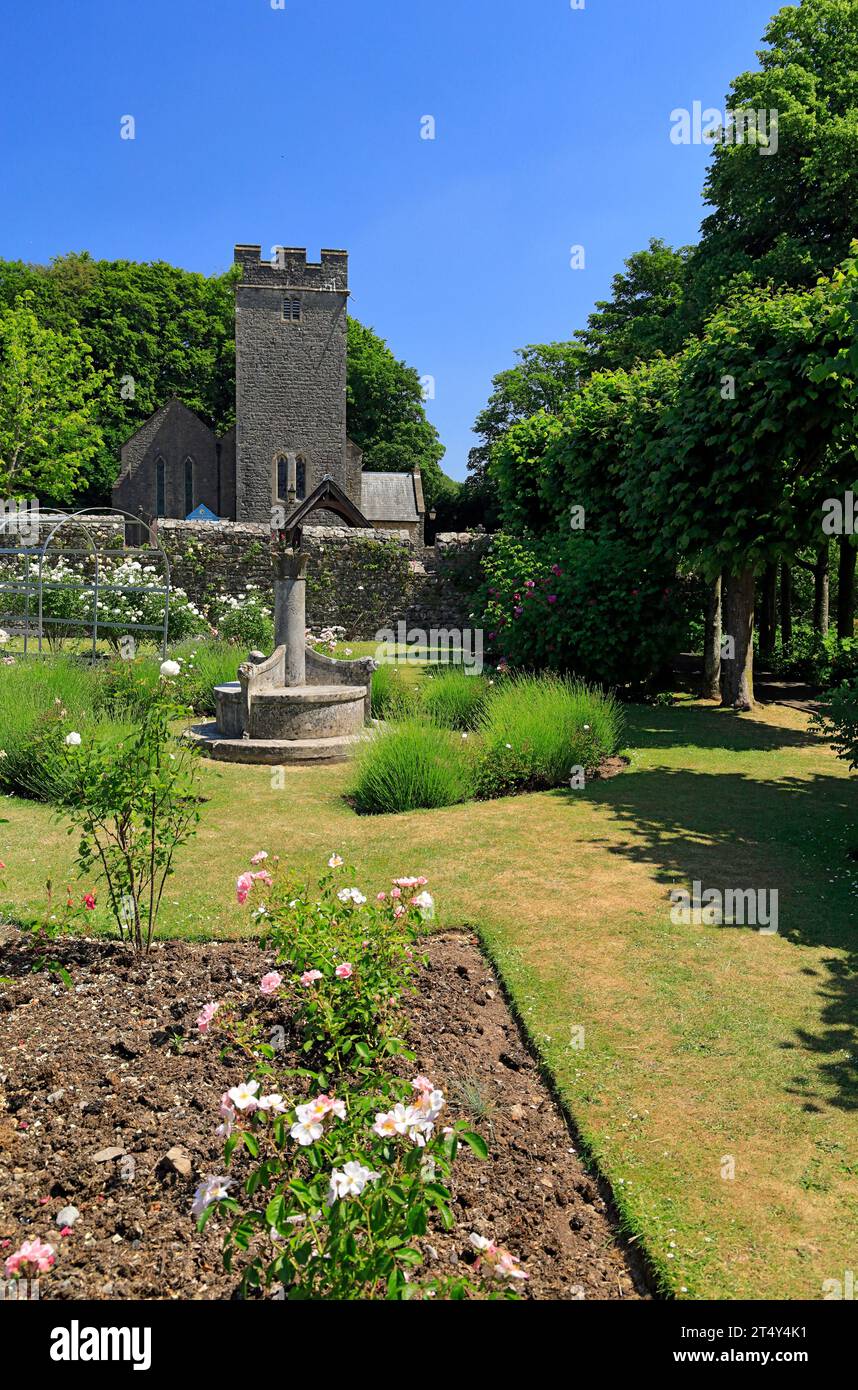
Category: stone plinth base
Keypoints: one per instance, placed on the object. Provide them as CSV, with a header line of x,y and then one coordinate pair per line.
x,y
275,752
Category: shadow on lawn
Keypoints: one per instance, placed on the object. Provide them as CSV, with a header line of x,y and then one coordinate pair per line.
x,y
731,830
700,727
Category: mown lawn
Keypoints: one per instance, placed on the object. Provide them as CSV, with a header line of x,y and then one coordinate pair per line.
x,y
702,1044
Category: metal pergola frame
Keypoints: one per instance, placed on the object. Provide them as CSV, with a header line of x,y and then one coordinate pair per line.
x,y
96,587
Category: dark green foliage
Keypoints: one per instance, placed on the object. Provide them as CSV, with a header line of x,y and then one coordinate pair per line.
x,y
158,330
595,606
387,417
837,719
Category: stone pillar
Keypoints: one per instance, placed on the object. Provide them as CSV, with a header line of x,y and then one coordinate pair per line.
x,y
290,613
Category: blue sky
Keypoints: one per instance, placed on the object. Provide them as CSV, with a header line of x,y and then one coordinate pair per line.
x,y
301,126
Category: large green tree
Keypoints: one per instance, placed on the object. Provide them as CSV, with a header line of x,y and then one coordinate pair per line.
x,y
758,435
387,415
645,314
51,398
787,216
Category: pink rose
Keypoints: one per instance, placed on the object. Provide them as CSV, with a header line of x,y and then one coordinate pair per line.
x,y
260,857
243,886
344,971
270,983
310,977
205,1016
32,1252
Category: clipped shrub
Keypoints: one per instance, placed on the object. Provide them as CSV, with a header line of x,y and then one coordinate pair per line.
x,y
410,766
392,696
454,699
536,730
600,609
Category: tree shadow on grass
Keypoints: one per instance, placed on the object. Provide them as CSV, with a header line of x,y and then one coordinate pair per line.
x,y
699,726
731,830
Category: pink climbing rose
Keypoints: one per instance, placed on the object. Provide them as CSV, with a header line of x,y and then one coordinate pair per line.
x,y
270,983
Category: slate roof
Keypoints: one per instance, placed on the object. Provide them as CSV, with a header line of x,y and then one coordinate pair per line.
x,y
389,497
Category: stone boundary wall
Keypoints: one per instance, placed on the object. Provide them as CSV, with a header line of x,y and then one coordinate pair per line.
x,y
362,580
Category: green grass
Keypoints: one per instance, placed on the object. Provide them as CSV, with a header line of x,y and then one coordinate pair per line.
x,y
700,1042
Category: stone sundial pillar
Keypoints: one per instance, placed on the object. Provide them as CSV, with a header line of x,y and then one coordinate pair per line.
x,y
290,613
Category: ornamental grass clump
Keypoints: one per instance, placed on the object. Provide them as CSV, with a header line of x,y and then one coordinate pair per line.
x,y
36,697
392,696
538,731
338,1172
410,766
454,699
206,664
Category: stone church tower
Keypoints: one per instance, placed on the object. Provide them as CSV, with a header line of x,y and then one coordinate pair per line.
x,y
290,369
291,341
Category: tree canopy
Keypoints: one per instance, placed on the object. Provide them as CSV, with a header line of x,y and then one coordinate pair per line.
x,y
51,397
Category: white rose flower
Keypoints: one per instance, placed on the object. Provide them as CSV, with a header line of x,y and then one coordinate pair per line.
x,y
73,740
170,668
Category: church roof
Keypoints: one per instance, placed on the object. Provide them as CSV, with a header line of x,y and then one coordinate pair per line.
x,y
389,497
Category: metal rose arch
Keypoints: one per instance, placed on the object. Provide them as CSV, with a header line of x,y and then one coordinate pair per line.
x,y
50,590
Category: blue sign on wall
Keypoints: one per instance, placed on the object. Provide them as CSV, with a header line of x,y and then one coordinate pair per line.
x,y
202,513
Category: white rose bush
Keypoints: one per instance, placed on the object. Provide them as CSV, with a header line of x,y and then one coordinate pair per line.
x,y
130,598
341,1167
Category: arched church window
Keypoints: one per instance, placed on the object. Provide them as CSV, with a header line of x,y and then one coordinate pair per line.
x,y
283,479
160,487
189,486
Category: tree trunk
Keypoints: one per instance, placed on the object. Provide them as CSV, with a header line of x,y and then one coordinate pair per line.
x,y
768,612
820,592
786,607
710,688
737,667
846,589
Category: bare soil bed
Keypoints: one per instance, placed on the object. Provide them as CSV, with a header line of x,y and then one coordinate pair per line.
x,y
108,1104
